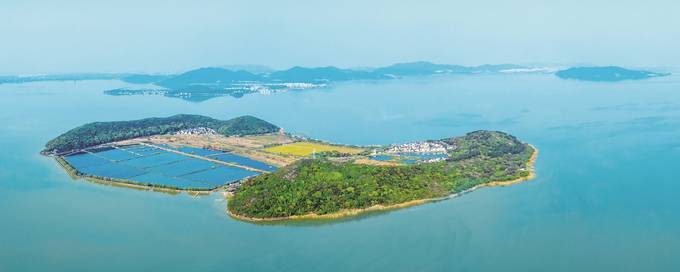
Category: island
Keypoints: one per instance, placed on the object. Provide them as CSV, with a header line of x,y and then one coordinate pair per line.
x,y
268,174
344,185
606,73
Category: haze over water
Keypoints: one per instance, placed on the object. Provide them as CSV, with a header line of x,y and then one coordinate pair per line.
x,y
605,198
175,36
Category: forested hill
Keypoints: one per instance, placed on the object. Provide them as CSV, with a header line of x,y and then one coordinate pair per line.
x,y
321,186
96,133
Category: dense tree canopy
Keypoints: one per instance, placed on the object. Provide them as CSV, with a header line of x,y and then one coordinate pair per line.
x,y
104,132
321,186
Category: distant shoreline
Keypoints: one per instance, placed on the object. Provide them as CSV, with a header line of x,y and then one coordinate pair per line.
x,y
354,212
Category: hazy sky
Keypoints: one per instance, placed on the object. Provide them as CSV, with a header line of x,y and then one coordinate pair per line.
x,y
171,36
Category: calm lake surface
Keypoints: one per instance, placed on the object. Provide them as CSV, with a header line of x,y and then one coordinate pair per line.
x,y
606,197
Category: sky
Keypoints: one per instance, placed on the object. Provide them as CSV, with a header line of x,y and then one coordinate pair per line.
x,y
173,36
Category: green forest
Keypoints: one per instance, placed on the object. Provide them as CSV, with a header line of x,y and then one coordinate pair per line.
x,y
322,186
97,133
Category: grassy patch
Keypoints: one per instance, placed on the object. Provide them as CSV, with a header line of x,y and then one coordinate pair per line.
x,y
304,149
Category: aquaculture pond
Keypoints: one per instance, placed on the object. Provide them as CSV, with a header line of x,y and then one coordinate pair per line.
x,y
233,158
153,166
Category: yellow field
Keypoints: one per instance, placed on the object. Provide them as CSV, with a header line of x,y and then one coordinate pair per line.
x,y
306,149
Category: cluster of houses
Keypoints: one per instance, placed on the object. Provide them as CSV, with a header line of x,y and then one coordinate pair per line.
x,y
232,187
419,147
196,131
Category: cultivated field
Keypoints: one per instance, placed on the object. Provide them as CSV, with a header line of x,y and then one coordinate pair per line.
x,y
248,146
307,148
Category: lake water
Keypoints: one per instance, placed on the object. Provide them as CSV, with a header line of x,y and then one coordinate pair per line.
x,y
606,197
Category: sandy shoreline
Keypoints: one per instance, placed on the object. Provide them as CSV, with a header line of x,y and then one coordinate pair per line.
x,y
353,212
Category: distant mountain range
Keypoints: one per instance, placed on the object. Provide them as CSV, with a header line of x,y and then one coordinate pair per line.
x,y
229,74
205,83
221,77
606,73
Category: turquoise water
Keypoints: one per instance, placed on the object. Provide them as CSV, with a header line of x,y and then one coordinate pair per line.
x,y
605,199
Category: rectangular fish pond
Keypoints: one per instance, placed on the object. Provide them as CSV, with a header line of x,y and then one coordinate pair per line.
x,y
147,165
